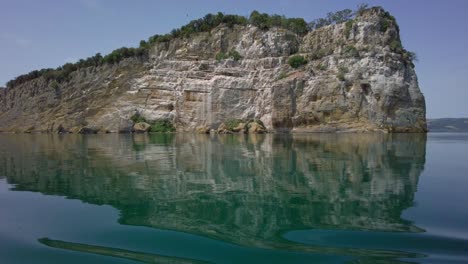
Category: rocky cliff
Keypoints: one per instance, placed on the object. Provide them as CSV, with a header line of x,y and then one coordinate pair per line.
x,y
357,78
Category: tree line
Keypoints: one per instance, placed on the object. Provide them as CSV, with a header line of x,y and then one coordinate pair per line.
x,y
207,23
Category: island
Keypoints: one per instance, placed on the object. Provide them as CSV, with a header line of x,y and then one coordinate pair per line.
x,y
233,74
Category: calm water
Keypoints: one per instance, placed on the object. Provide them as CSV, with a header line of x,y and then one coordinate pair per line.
x,y
322,198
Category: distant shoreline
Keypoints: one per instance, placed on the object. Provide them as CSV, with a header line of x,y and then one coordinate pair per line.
x,y
437,125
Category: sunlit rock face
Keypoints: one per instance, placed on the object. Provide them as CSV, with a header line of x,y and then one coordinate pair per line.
x,y
354,81
246,190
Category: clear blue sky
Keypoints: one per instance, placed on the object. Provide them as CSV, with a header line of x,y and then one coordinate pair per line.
x,y
47,33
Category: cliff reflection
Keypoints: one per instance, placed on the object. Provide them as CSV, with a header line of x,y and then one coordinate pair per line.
x,y
242,189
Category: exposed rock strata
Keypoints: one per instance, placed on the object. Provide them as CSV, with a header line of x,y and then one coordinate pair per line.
x,y
373,89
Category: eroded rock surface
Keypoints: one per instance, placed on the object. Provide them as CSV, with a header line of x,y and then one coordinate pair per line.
x,y
354,80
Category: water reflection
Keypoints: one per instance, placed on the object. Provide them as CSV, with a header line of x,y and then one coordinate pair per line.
x,y
247,190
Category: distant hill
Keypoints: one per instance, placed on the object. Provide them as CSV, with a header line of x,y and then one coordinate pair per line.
x,y
448,125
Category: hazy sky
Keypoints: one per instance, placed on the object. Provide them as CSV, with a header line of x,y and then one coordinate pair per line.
x,y
47,33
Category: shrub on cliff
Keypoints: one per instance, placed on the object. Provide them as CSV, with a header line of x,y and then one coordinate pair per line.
x,y
341,73
231,124
220,56
231,54
162,126
296,61
351,51
205,24
332,18
395,46
54,85
159,126
234,55
409,57
321,53
348,27
137,118
361,8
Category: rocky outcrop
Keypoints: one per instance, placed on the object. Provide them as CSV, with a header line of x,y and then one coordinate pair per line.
x,y
141,127
356,79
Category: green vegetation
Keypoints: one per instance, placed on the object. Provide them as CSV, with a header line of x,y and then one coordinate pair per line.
x,y
265,21
162,126
54,85
348,27
63,73
258,121
159,126
361,8
321,53
122,53
321,67
235,55
205,24
395,46
332,18
351,51
384,24
231,54
341,73
296,61
221,56
388,20
137,118
231,124
281,76
409,57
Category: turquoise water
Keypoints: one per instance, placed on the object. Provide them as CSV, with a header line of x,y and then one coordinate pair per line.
x,y
320,198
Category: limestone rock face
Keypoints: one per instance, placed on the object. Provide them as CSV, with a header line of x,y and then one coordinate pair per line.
x,y
223,129
355,80
203,130
256,128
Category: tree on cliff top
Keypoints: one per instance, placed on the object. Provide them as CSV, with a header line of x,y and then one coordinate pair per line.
x,y
205,24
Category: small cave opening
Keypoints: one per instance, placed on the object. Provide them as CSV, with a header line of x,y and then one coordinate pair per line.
x,y
366,88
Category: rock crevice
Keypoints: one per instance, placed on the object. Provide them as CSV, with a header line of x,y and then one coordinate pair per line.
x,y
354,80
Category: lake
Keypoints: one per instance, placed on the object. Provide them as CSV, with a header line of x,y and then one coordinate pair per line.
x,y
181,198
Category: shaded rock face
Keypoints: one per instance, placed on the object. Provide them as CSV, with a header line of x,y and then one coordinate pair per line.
x,y
354,81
